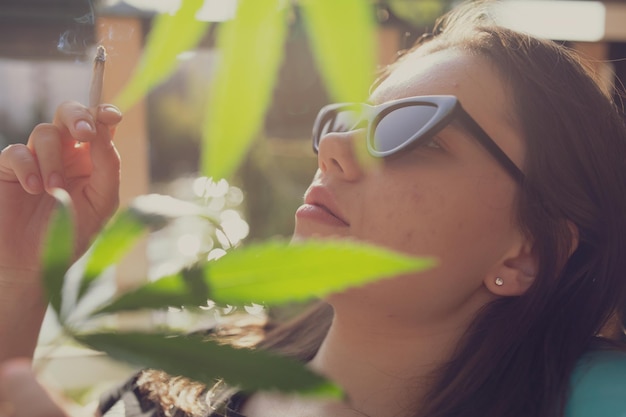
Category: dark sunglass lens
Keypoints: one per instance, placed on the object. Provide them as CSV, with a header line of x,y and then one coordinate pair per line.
x,y
337,121
341,120
399,125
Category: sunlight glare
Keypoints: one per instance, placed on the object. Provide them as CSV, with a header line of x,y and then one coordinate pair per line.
x,y
234,226
216,189
211,10
556,20
188,245
199,186
216,254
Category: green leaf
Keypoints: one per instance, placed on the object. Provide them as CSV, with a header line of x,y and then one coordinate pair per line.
x,y
169,37
275,273
251,49
196,358
271,273
344,43
185,289
112,244
418,13
58,250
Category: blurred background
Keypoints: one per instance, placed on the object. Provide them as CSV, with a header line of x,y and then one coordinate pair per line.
x,y
47,46
46,55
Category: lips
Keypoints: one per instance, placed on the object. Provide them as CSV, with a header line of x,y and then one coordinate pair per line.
x,y
320,205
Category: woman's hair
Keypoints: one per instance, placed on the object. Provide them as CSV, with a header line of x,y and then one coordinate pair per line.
x,y
517,356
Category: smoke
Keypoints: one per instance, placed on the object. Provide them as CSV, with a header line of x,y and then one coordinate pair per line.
x,y
72,42
87,19
86,32
77,39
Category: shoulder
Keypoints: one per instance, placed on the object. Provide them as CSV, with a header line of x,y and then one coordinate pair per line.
x,y
599,385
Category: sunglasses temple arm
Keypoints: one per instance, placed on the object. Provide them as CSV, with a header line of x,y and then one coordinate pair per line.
x,y
491,146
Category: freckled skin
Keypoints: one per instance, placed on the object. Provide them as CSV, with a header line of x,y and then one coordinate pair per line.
x,y
456,205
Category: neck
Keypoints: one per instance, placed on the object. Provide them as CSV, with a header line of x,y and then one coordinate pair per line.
x,y
386,367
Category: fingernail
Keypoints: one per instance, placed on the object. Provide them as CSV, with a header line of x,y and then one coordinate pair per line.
x,y
32,181
112,109
84,126
55,180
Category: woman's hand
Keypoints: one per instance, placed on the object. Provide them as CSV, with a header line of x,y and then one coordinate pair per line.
x,y
74,152
22,396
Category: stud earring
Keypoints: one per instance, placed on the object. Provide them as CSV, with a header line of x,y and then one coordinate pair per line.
x,y
499,281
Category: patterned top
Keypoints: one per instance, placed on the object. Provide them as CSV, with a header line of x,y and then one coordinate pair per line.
x,y
131,400
598,389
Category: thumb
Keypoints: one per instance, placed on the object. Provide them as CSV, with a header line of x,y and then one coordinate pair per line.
x,y
21,395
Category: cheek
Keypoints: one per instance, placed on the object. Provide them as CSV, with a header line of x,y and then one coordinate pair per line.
x,y
451,221
405,218
424,209
494,193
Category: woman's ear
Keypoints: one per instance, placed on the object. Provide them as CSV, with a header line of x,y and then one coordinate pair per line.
x,y
517,270
514,274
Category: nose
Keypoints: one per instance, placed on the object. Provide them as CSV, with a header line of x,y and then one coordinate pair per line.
x,y
337,155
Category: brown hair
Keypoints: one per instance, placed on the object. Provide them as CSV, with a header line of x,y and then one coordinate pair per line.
x,y
517,356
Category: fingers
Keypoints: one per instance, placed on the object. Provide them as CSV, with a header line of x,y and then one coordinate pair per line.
x,y
109,115
37,166
41,165
45,142
17,163
105,176
78,122
74,121
21,395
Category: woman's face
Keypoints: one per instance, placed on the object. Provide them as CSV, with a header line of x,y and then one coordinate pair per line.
x,y
450,200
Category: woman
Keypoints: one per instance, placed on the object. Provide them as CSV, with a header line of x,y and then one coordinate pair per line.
x,y
520,194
